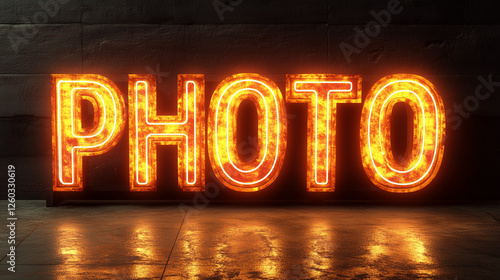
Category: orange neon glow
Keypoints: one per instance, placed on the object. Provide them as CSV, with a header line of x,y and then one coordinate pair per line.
x,y
322,93
423,157
263,169
70,142
186,130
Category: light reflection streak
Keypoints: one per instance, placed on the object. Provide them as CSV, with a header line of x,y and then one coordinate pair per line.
x,y
70,249
321,253
143,245
245,248
400,243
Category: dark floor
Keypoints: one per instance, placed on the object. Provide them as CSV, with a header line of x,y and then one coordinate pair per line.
x,y
225,242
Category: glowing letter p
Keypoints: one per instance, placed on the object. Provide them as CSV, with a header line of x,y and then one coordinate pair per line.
x,y
71,141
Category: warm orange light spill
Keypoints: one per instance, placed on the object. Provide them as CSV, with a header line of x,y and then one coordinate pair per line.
x,y
70,142
322,250
186,130
69,249
204,253
322,93
402,240
72,250
263,169
424,155
143,245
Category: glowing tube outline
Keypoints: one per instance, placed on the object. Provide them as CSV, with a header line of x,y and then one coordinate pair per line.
x,y
227,134
159,134
72,123
435,144
423,136
59,140
277,130
316,123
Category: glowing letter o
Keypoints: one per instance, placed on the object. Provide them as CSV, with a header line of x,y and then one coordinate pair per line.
x,y
263,169
426,152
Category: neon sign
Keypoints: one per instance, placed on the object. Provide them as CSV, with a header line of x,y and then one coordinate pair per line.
x,y
187,130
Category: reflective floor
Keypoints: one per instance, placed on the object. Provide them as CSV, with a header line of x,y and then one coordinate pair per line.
x,y
223,242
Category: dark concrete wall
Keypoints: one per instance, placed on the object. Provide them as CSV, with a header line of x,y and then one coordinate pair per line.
x,y
451,43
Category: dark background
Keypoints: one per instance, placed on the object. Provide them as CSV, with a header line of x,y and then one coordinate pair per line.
x,y
451,43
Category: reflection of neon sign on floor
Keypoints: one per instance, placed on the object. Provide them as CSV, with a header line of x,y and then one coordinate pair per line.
x,y
186,130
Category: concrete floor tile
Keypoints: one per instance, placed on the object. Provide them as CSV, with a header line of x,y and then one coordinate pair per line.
x,y
338,243
102,235
32,213
99,241
493,210
65,272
